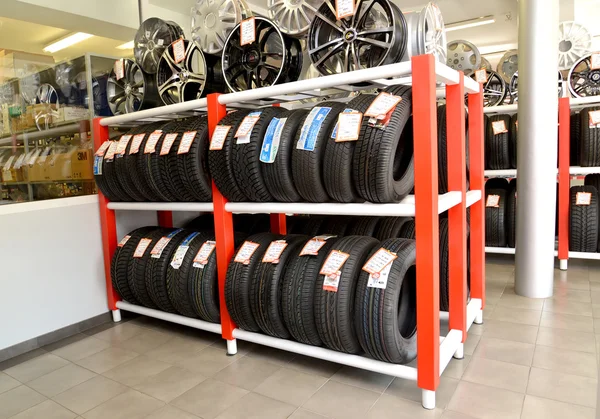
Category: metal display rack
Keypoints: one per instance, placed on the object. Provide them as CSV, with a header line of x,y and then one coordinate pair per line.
x,y
434,351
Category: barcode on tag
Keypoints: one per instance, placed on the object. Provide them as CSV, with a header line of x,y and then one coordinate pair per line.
x,y
168,143
123,241
492,201
583,198
379,261
344,8
274,251
382,105
499,127
379,279
135,144
178,51
141,248
218,138
246,251
247,31
186,142
151,143
481,75
334,262
119,69
204,253
332,281
348,126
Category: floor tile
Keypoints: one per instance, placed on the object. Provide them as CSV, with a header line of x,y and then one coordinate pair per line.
x,y
485,402
516,301
505,351
510,331
567,339
306,414
106,359
476,329
208,361
256,406
7,383
51,347
36,367
81,349
576,308
135,371
497,374
368,380
144,341
572,283
315,366
291,386
457,367
176,350
131,404
17,400
19,359
170,412
247,372
517,315
563,360
119,333
449,414
406,389
272,355
567,321
471,344
170,383
209,398
100,328
390,407
341,401
89,394
563,387
596,311
570,294
595,297
46,410
539,408
60,380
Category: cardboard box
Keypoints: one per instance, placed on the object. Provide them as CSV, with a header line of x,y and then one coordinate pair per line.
x,y
74,164
72,113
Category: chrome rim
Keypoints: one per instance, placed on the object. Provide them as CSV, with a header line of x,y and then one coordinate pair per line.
x,y
126,94
494,90
574,41
29,86
293,16
44,115
426,33
213,21
151,40
583,81
375,35
508,65
463,56
183,81
513,87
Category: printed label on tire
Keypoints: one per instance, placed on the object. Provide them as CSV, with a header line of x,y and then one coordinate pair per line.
x,y
382,105
181,251
186,142
499,127
160,245
583,198
311,127
102,149
168,143
379,279
112,149
98,165
244,131
379,261
151,143
493,201
141,248
219,136
270,144
335,129
122,144
135,144
274,251
594,119
349,124
204,253
123,241
246,251
332,281
334,262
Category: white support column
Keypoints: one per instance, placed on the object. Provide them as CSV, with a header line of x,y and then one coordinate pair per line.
x,y
116,315
563,264
479,317
537,147
460,352
428,399
232,347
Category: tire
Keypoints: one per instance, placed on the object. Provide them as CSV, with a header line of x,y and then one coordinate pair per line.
x,y
120,262
363,226
203,285
298,293
335,225
590,139
497,154
252,223
246,159
112,182
193,165
390,227
307,166
444,275
442,149
511,215
237,283
583,221
514,132
386,319
408,230
575,139
133,166
136,270
100,178
295,223
339,157
220,162
334,311
278,175
495,219
204,222
313,226
496,183
383,166
123,177
266,290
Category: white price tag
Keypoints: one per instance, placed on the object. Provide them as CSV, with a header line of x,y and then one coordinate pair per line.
x,y
186,142
594,119
245,253
218,138
19,161
178,50
481,75
382,105
379,279
492,201
122,145
204,253
344,8
332,281
123,241
379,261
595,61
151,143
583,198
35,155
135,144
312,247
141,248
499,127
102,149
274,251
112,149
168,143
8,163
177,259
348,126
158,248
119,69
334,262
246,126
247,31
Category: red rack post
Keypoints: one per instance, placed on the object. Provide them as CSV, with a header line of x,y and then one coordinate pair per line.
x,y
223,228
108,226
426,221
165,218
457,223
278,224
564,179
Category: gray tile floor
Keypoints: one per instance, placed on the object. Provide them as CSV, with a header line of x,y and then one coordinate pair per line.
x,y
531,359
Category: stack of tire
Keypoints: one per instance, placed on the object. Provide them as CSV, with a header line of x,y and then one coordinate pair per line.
x,y
583,216
585,138
500,212
501,142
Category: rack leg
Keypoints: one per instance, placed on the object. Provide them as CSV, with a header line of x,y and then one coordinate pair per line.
x,y
428,399
232,347
116,315
479,318
460,351
563,264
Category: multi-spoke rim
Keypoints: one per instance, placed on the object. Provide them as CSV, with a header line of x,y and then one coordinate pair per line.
x,y
508,65
494,90
213,21
29,86
183,81
583,81
127,94
513,86
293,16
375,35
151,40
463,56
426,33
47,97
574,41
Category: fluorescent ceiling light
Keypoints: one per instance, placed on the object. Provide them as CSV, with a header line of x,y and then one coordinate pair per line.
x,y
471,23
127,45
67,42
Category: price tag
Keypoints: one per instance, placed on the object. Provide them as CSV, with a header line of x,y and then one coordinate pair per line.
x,y
141,248
246,251
160,245
186,142
312,247
379,261
168,143
499,127
379,280
151,143
348,126
481,75
247,31
382,105
119,69
344,8
246,126
122,145
334,262
102,149
35,155
178,50
218,138
332,281
204,253
8,163
274,251
583,198
123,241
594,119
595,61
135,144
270,144
492,201
181,251
112,149
19,161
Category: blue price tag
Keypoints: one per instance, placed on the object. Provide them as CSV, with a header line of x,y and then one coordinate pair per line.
x,y
271,141
98,165
311,128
